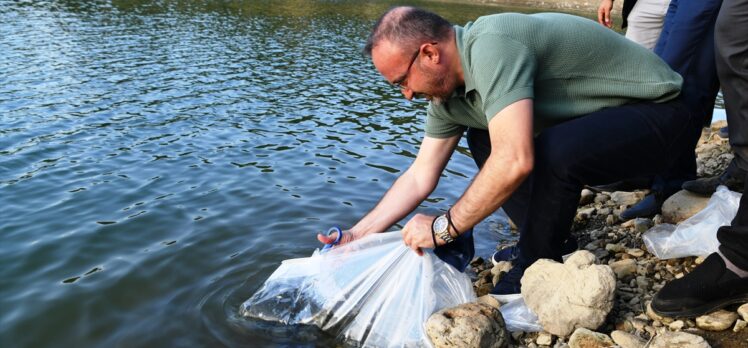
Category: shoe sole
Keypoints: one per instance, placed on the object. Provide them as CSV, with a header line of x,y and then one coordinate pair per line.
x,y
701,310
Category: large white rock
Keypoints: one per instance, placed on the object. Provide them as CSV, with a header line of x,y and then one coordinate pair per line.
x,y
678,339
682,205
575,294
467,325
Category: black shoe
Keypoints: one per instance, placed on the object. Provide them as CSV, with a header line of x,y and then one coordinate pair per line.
x,y
709,287
733,177
512,253
647,207
624,185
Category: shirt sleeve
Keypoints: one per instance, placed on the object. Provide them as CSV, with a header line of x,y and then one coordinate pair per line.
x,y
503,71
440,126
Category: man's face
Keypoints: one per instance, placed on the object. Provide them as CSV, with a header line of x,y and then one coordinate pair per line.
x,y
417,73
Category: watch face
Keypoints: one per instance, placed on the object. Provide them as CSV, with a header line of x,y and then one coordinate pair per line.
x,y
440,224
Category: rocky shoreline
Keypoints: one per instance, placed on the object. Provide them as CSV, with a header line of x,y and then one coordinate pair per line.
x,y
639,275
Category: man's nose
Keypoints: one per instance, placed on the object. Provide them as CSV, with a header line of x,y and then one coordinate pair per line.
x,y
408,93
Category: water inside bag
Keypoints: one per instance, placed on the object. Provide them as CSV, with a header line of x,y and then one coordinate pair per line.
x,y
371,292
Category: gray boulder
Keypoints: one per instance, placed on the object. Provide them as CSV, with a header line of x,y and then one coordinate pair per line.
x,y
682,205
467,325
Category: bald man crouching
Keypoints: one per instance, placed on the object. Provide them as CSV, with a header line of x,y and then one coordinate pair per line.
x,y
548,103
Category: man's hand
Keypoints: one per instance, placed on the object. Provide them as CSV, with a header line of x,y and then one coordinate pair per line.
x,y
603,13
417,233
348,236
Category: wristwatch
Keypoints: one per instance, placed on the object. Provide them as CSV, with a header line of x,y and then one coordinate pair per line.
x,y
440,228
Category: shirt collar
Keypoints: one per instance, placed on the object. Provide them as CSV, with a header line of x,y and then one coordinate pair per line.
x,y
459,34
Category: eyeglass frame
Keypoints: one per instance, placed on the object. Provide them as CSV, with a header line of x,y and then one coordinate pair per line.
x,y
400,83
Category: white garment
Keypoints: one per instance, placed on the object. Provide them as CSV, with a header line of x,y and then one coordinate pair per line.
x,y
645,22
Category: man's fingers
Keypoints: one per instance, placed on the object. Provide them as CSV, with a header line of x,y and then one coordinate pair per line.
x,y
327,239
417,250
607,19
322,238
601,16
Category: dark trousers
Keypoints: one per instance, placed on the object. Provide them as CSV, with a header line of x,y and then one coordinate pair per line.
x,y
687,45
732,66
612,144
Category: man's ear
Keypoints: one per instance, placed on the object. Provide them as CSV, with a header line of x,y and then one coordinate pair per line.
x,y
431,52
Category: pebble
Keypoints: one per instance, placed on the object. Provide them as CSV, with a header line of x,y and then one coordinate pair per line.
x,y
628,224
716,321
584,338
601,198
616,248
489,300
639,324
610,220
642,282
678,339
626,198
657,219
586,197
743,311
642,225
592,245
623,268
584,214
627,340
544,339
654,316
676,325
635,252
502,266
739,325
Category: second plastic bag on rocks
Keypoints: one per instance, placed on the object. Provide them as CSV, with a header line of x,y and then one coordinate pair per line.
x,y
696,236
373,292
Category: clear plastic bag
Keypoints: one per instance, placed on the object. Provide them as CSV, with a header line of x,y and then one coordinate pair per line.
x,y
373,292
696,236
519,317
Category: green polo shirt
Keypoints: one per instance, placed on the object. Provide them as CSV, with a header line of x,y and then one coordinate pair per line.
x,y
570,66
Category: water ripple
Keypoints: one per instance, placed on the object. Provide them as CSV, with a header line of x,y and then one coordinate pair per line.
x,y
158,159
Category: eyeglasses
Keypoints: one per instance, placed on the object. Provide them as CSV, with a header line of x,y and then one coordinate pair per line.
x,y
400,83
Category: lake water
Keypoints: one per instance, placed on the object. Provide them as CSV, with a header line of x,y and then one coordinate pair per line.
x,y
158,159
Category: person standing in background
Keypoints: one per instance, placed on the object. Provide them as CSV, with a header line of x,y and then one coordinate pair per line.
x,y
686,43
722,279
643,18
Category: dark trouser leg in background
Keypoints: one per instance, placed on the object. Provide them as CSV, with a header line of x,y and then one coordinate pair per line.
x,y
732,66
687,45
722,279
